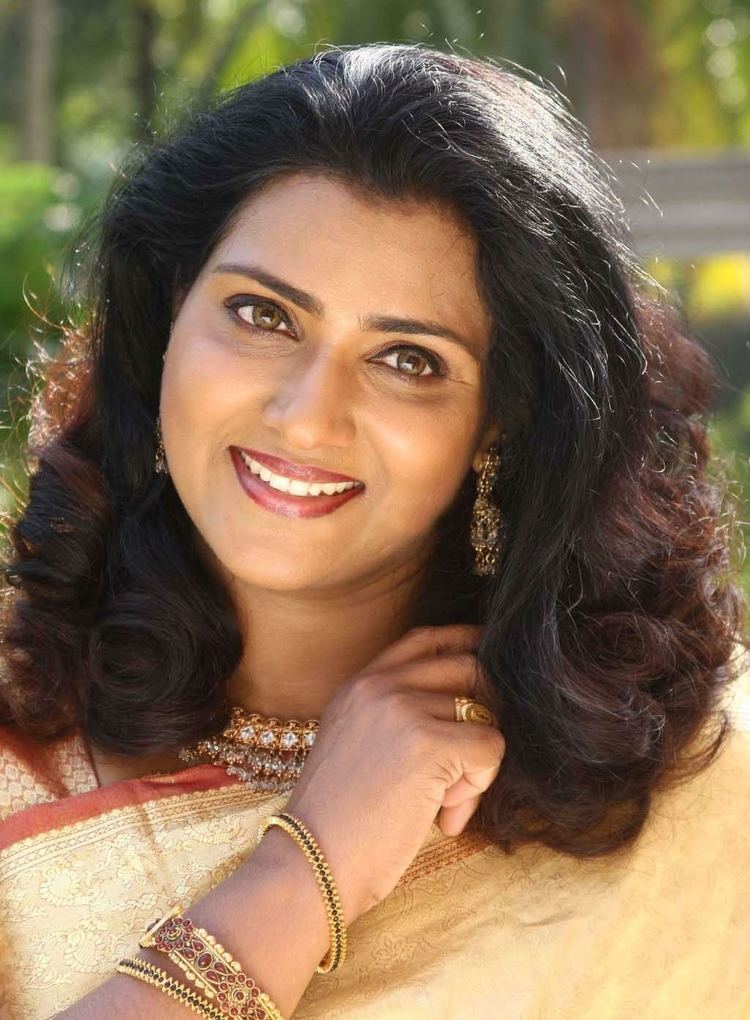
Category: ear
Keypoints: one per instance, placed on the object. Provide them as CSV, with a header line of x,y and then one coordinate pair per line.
x,y
491,436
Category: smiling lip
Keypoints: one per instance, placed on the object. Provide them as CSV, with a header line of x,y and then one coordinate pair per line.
x,y
283,502
299,471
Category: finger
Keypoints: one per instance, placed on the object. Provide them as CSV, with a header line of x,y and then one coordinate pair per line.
x,y
479,748
462,799
463,789
451,674
452,820
438,704
422,642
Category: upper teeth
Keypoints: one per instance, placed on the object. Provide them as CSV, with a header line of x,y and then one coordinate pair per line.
x,y
292,485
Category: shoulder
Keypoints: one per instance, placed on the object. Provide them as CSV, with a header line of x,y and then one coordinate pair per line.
x,y
34,772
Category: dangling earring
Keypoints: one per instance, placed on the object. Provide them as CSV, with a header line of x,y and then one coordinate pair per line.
x,y
160,460
485,521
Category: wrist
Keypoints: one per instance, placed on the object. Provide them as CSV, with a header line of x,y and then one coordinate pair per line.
x,y
282,862
346,880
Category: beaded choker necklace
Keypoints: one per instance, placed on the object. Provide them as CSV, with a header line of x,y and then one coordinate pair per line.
x,y
264,752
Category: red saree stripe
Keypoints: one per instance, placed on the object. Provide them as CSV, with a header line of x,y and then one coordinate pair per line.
x,y
56,814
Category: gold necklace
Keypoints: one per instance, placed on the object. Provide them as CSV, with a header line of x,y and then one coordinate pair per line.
x,y
266,753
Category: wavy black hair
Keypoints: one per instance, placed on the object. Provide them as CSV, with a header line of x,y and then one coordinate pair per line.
x,y
610,623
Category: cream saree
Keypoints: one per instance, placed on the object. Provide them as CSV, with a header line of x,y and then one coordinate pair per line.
x,y
661,931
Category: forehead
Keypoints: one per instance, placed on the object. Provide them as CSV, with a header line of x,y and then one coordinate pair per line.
x,y
343,243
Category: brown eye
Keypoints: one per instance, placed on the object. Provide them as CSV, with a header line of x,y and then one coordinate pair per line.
x,y
264,315
410,363
259,314
407,357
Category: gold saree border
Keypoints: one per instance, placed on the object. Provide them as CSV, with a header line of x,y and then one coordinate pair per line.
x,y
144,815
446,850
164,807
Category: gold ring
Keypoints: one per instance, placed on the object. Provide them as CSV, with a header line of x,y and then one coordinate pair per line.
x,y
468,710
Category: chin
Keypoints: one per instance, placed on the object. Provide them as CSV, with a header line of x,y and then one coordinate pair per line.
x,y
273,572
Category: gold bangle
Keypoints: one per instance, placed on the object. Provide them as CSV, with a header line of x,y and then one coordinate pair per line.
x,y
304,838
207,963
152,975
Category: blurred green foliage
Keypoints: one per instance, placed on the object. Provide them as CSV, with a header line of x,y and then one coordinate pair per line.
x,y
730,435
29,237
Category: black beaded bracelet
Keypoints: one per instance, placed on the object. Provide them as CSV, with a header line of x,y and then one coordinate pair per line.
x,y
153,975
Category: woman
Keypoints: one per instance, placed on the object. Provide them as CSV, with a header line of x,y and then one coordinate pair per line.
x,y
372,412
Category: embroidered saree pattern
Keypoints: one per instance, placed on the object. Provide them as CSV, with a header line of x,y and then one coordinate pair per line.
x,y
32,773
659,931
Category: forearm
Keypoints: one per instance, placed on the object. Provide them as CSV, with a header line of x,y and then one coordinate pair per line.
x,y
269,915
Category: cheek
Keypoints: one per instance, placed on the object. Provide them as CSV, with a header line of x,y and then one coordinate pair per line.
x,y
428,457
203,394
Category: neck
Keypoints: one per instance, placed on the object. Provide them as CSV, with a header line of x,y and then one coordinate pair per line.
x,y
300,647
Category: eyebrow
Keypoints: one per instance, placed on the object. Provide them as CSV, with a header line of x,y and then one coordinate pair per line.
x,y
313,305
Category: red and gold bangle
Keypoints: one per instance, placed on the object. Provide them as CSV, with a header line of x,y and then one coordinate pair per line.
x,y
206,962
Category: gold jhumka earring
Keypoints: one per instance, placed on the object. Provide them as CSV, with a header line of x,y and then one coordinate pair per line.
x,y
485,522
160,459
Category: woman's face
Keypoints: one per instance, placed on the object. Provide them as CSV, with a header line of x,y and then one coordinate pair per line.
x,y
341,334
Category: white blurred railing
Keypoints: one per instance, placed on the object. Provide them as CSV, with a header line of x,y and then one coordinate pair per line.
x,y
684,205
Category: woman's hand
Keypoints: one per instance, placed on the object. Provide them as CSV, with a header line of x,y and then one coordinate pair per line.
x,y
389,759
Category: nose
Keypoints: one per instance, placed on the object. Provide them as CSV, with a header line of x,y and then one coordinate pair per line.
x,y
312,405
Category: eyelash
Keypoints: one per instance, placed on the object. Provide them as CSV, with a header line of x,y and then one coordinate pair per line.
x,y
435,364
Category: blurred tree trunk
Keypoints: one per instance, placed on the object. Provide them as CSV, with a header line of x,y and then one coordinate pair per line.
x,y
38,125
240,26
144,79
614,72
